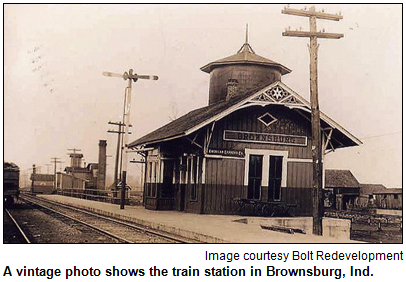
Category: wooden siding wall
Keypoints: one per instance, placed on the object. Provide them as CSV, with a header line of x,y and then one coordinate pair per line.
x,y
225,177
157,202
299,175
289,123
388,201
381,201
299,187
224,182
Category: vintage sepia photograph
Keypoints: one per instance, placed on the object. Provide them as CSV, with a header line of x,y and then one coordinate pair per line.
x,y
202,123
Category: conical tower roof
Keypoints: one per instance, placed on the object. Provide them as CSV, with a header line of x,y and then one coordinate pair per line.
x,y
245,55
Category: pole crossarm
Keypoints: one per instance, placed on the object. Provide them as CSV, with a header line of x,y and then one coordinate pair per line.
x,y
137,162
313,34
118,123
312,13
114,131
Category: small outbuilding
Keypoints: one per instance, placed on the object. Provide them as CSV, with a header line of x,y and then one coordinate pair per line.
x,y
43,183
341,189
378,196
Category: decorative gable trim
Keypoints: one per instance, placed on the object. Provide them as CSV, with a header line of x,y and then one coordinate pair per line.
x,y
279,95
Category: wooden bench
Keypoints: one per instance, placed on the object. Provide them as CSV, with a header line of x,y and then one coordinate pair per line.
x,y
261,208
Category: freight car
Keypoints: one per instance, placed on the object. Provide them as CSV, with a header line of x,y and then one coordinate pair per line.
x,y
11,179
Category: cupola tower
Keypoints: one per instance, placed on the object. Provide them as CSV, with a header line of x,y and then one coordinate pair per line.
x,y
240,73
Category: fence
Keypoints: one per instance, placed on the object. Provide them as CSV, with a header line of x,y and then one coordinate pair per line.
x,y
94,195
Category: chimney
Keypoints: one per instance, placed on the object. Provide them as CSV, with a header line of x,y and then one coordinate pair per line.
x,y
101,171
232,88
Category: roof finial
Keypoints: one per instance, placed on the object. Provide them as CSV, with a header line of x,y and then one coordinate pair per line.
x,y
246,33
246,48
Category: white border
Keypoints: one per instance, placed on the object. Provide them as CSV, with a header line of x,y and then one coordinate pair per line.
x,y
265,165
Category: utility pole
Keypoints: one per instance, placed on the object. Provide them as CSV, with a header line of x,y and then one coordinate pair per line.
x,y
33,177
48,165
73,163
55,161
313,34
60,166
131,77
119,133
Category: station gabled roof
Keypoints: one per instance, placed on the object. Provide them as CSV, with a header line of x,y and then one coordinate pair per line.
x,y
276,93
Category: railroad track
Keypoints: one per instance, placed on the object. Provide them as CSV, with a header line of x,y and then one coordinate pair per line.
x,y
122,231
20,230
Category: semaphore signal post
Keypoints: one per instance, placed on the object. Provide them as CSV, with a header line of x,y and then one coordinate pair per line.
x,y
313,34
127,106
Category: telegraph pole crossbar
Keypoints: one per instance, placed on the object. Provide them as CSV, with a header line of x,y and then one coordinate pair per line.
x,y
317,154
312,13
311,34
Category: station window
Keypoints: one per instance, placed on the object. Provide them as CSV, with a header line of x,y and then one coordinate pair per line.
x,y
265,174
275,178
151,179
168,178
254,177
195,177
154,184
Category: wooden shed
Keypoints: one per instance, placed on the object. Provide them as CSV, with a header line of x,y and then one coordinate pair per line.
x,y
341,189
253,141
378,196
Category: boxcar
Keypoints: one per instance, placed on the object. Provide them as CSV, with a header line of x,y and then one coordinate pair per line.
x,y
11,178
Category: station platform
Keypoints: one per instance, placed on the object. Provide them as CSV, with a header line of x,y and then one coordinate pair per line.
x,y
202,227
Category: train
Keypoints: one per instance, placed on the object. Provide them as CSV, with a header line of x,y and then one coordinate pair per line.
x,y
11,183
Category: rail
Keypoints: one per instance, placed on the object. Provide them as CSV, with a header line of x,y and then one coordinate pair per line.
x,y
18,227
138,228
120,239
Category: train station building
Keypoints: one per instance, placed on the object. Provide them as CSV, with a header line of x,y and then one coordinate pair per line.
x,y
252,141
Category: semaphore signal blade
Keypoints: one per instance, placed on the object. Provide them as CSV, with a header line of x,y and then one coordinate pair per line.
x,y
151,77
111,74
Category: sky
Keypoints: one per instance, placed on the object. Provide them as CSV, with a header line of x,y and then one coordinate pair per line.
x,y
55,97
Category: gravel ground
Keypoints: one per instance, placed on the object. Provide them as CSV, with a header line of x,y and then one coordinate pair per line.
x,y
368,233
118,229
11,235
364,226
41,227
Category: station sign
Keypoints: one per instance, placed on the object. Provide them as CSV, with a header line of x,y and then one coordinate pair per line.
x,y
225,152
267,138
